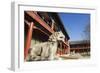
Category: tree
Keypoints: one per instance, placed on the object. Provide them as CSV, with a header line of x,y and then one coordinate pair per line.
x,y
87,32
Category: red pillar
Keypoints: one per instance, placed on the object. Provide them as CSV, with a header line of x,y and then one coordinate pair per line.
x,y
65,49
68,51
60,48
28,39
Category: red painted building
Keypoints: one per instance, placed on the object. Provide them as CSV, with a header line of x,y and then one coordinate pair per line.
x,y
80,46
38,26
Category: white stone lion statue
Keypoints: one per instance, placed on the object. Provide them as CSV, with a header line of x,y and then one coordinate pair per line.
x,y
46,50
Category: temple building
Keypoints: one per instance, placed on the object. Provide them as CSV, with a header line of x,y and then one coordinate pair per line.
x,y
38,26
82,47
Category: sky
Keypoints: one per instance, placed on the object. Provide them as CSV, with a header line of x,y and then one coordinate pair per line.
x,y
75,24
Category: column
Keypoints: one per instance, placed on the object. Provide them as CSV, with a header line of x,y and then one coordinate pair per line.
x,y
68,51
28,40
64,49
60,48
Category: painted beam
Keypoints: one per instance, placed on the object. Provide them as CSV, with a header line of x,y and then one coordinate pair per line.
x,y
39,20
28,23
